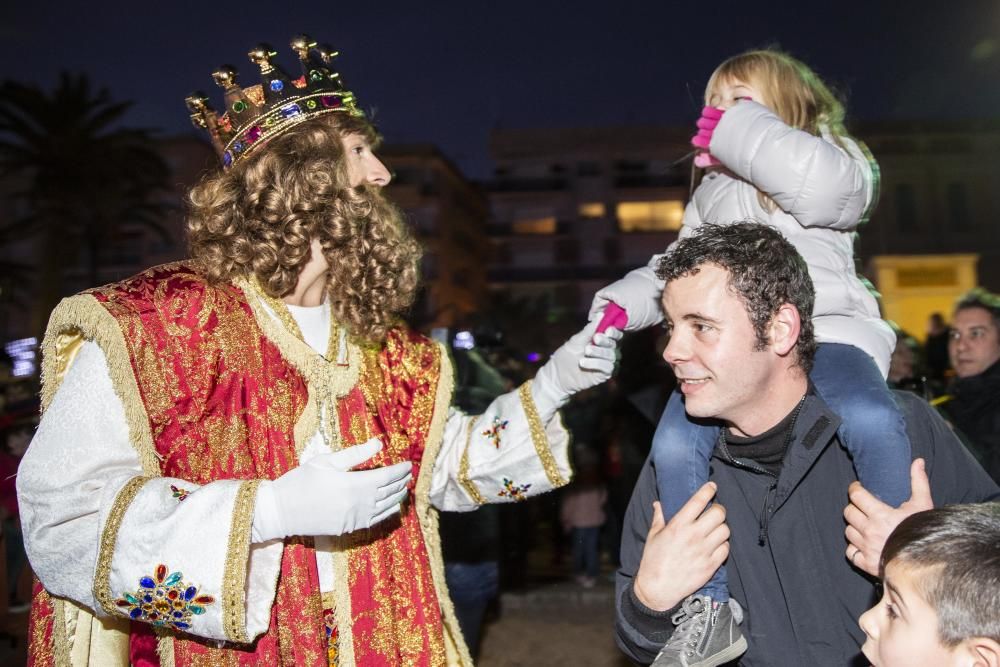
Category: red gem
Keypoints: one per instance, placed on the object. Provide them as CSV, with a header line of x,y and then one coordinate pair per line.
x,y
253,134
161,573
204,599
172,595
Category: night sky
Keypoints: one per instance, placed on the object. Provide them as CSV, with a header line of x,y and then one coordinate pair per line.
x,y
448,72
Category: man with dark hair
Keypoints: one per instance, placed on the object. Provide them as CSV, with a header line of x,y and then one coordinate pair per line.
x,y
737,301
973,400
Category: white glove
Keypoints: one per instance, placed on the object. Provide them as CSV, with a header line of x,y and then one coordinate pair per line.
x,y
584,361
638,293
323,496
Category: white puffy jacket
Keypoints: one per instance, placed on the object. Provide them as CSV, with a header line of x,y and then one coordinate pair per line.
x,y
822,192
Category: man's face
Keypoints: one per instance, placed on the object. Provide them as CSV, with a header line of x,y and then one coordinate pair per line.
x,y
974,344
902,628
711,351
362,164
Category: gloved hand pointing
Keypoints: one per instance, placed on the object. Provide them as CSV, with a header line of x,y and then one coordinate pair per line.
x,y
323,496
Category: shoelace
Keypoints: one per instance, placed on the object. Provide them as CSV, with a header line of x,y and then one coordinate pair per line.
x,y
690,621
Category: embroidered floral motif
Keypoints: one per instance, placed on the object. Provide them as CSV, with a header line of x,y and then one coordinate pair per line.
x,y
493,433
513,491
164,600
330,621
179,493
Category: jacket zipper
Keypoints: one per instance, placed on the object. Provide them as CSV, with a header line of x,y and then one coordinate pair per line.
x,y
765,509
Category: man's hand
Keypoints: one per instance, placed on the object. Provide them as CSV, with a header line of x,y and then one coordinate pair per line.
x,y
681,556
869,520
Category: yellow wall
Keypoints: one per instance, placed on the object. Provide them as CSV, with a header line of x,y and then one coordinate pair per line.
x,y
914,286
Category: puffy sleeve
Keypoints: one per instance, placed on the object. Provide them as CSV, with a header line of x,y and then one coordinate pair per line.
x,y
506,454
812,178
103,532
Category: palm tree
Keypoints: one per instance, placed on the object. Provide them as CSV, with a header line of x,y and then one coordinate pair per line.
x,y
80,175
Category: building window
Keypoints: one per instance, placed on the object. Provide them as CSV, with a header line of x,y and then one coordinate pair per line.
x,y
650,216
592,210
958,207
588,169
546,225
906,208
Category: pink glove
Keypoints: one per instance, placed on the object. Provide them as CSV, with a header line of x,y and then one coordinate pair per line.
x,y
614,316
710,117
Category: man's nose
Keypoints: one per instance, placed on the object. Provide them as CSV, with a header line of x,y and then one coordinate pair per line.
x,y
378,174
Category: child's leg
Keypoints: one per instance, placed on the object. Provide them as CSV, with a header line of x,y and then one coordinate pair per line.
x,y
681,452
872,427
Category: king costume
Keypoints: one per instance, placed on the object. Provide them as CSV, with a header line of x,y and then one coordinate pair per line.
x,y
168,399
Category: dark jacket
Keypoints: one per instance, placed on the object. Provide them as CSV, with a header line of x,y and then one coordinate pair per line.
x,y
973,406
801,595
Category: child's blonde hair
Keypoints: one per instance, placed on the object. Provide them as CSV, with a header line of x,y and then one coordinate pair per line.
x,y
790,88
795,93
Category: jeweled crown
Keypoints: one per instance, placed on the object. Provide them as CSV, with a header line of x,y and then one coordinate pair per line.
x,y
260,112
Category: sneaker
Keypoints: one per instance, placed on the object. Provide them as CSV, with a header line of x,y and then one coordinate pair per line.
x,y
707,634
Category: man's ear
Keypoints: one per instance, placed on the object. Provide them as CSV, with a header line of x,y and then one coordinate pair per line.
x,y
981,652
784,329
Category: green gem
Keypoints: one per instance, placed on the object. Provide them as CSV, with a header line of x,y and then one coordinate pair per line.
x,y
315,75
239,106
195,609
311,104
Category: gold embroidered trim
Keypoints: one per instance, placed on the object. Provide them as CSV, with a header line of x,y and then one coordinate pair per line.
x,y
325,380
463,468
428,515
106,552
61,646
83,317
237,557
165,648
342,602
538,437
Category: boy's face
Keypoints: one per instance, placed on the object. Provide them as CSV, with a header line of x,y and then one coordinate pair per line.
x,y
902,628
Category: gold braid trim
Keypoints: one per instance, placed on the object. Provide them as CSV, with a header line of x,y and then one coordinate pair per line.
x,y
60,638
237,557
342,611
324,379
165,648
458,652
106,551
538,437
463,468
83,317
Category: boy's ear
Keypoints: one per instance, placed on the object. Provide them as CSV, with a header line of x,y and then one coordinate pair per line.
x,y
983,651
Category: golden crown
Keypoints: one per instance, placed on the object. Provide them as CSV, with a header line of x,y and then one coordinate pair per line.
x,y
260,112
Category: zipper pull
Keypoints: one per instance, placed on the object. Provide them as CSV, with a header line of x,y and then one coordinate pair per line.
x,y
765,513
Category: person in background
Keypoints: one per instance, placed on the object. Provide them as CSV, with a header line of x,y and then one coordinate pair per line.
x,y
972,403
582,516
936,348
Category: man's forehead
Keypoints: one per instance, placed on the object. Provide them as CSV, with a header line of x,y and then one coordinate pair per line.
x,y
973,317
693,287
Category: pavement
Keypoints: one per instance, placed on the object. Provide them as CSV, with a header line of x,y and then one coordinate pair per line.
x,y
555,622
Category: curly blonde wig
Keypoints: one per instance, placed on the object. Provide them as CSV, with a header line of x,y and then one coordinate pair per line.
x,y
259,219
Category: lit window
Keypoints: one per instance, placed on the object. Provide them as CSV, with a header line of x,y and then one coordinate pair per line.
x,y
592,210
650,216
546,225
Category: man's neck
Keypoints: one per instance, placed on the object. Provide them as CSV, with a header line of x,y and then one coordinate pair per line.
x,y
776,402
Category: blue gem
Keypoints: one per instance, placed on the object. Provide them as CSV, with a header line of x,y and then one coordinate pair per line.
x,y
195,609
178,614
173,579
238,147
189,593
135,613
227,158
277,85
182,626
147,582
290,111
147,598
